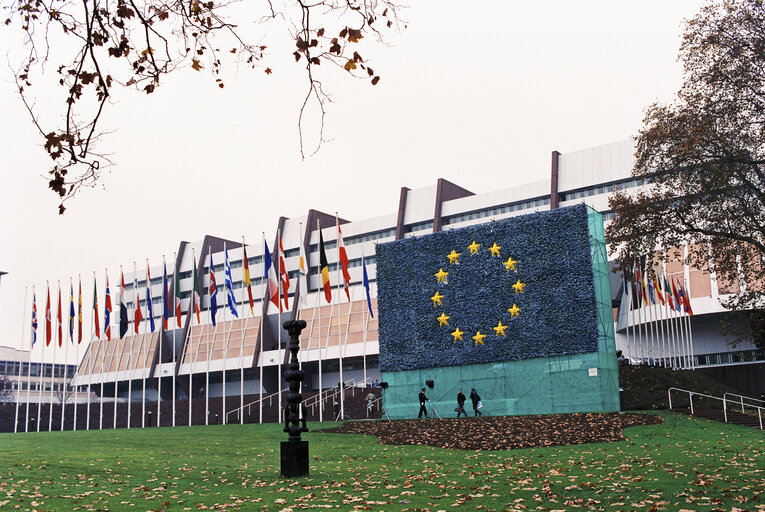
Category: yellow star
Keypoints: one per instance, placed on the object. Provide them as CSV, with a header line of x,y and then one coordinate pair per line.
x,y
495,249
519,286
458,334
479,338
443,319
500,329
474,247
454,257
437,299
510,264
441,275
514,311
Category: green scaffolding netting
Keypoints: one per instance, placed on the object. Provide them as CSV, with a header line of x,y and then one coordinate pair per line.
x,y
562,384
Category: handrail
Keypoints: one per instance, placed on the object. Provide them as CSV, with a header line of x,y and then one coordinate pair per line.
x,y
724,400
741,401
267,397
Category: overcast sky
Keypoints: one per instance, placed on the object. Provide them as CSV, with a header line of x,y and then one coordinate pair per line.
x,y
477,93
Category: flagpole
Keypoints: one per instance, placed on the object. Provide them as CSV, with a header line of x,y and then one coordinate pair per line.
x,y
209,348
241,345
150,309
176,291
278,323
262,325
642,331
320,341
77,346
225,335
690,326
42,355
90,355
21,364
114,352
339,330
136,326
676,362
192,366
53,366
29,368
104,345
161,338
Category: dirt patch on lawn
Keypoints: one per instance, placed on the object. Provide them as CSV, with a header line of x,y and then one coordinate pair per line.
x,y
500,432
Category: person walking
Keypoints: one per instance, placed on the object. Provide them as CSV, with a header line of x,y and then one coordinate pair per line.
x,y
476,402
461,403
423,399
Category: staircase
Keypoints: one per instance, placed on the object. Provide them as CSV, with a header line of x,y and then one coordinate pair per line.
x,y
735,409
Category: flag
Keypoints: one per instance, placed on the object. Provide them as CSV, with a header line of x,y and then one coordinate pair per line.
x,y
137,315
246,278
686,299
343,257
303,277
366,285
71,311
123,307
639,294
650,293
668,292
284,275
196,288
34,319
645,289
107,312
48,315
58,318
230,299
213,291
149,301
657,288
272,288
324,269
96,323
79,311
165,298
678,302
177,288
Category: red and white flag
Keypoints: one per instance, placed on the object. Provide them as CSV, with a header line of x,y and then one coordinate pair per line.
x,y
283,275
343,257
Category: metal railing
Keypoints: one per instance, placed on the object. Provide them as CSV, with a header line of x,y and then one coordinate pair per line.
x,y
269,398
724,401
741,402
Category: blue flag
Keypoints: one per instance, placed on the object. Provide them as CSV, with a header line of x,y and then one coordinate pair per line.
x,y
366,285
213,290
230,300
71,313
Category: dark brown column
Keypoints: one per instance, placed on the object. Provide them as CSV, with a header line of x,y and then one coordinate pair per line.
x,y
554,180
401,213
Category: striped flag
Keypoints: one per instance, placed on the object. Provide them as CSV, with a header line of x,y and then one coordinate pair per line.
x,y
303,276
324,269
48,315
270,276
107,312
246,278
343,257
283,275
137,315
149,301
177,294
657,288
71,311
213,291
196,287
686,299
123,307
230,299
165,298
79,311
96,322
58,318
34,318
678,300
668,293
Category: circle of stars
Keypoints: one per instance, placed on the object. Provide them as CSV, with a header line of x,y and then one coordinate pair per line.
x,y
441,277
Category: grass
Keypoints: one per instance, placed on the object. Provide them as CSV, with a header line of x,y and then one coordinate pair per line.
x,y
684,463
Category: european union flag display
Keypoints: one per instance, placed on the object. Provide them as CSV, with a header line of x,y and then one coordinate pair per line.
x,y
514,289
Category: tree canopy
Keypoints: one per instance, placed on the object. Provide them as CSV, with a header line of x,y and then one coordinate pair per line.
x,y
89,48
703,158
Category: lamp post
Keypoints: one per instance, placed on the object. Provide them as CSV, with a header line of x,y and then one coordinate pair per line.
x,y
294,452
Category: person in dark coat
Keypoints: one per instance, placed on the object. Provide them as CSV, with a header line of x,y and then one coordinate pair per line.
x,y
423,399
461,403
476,399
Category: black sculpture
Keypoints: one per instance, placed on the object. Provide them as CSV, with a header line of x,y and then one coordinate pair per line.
x,y
294,451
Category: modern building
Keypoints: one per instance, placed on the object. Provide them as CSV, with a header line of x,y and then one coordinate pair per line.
x,y
44,381
244,354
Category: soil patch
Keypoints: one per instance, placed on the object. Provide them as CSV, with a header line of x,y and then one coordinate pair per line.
x,y
500,432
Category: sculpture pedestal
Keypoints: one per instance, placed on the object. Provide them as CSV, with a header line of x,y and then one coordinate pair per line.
x,y
294,458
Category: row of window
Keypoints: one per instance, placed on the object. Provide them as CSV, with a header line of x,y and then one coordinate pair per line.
x,y
601,189
14,367
497,210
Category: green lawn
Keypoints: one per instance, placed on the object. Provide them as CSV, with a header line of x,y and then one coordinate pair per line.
x,y
685,463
